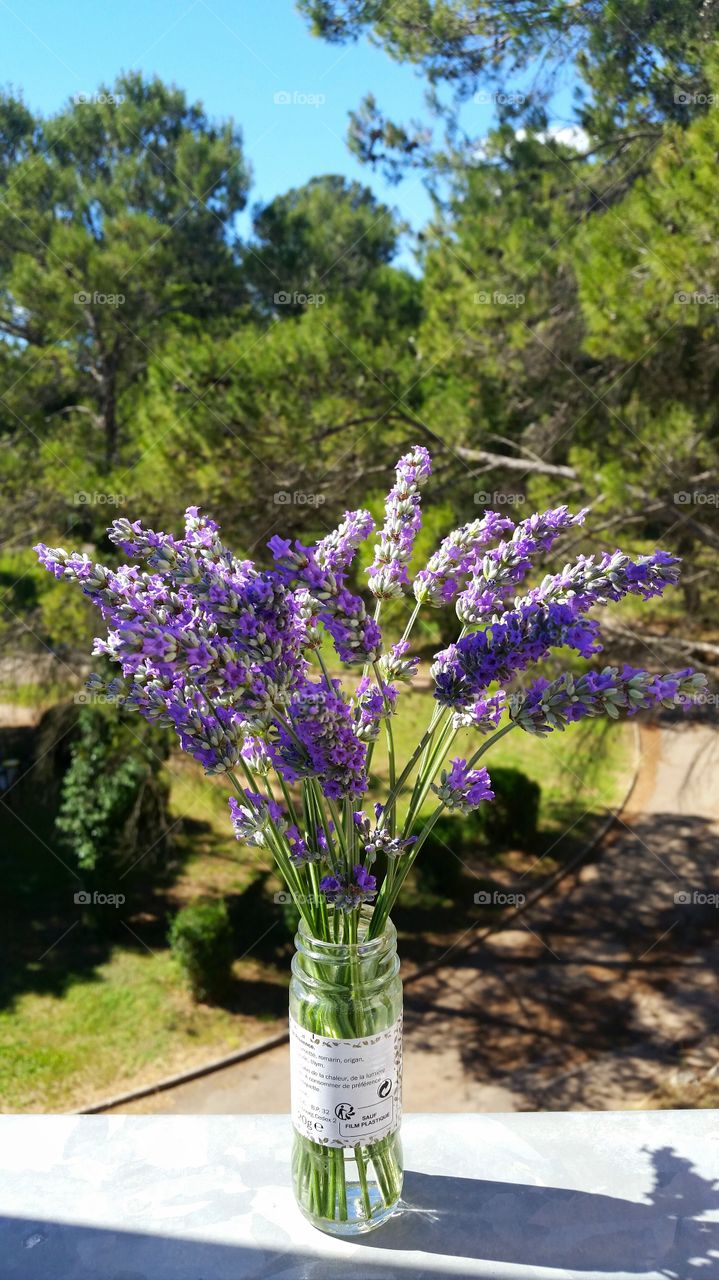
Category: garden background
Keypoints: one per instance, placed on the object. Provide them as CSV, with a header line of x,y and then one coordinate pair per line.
x,y
249,272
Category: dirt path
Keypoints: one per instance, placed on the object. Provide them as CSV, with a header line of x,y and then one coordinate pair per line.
x,y
591,1000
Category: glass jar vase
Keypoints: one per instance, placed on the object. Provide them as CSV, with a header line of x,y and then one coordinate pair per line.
x,y
346,1077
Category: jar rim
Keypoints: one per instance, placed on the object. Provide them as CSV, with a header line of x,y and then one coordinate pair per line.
x,y
364,947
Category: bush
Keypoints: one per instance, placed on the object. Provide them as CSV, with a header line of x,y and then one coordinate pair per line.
x,y
113,795
511,818
201,940
439,862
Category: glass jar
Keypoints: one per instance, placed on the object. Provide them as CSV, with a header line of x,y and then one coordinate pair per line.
x,y
346,1076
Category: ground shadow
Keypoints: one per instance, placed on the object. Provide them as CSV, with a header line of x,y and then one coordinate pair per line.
x,y
42,1250
565,1230
620,960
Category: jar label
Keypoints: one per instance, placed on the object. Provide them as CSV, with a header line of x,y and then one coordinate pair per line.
x,y
346,1091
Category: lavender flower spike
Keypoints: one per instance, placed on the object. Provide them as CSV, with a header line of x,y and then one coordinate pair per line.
x,y
463,788
546,705
388,575
347,893
497,573
337,551
456,557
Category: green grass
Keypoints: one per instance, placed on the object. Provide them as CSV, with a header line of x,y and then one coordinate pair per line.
x,y
38,696
131,1021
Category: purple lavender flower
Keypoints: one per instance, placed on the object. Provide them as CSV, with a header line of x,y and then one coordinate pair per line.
x,y
251,821
376,839
303,848
254,753
549,705
464,670
463,788
337,551
216,648
356,636
396,665
614,576
388,574
207,643
319,740
497,573
372,705
347,893
483,715
456,558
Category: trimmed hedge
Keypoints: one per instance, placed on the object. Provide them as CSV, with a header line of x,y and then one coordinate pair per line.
x,y
201,940
510,819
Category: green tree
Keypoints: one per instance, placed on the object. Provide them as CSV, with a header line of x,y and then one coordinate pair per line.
x,y
323,238
279,424
115,229
638,64
113,798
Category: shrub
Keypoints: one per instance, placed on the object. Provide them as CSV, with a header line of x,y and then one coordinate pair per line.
x,y
201,940
512,816
113,795
439,861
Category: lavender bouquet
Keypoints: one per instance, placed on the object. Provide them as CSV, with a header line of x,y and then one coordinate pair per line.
x,y
231,656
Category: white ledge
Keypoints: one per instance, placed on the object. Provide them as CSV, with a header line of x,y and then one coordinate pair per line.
x,y
533,1196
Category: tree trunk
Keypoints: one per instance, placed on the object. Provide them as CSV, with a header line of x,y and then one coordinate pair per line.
x,y
109,419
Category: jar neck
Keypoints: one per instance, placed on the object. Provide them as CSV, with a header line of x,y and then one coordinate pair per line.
x,y
366,962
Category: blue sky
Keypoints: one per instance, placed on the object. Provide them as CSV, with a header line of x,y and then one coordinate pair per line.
x,y
234,57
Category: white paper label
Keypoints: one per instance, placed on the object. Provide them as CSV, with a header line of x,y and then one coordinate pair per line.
x,y
346,1091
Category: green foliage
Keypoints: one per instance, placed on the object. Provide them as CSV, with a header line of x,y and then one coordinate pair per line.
x,y
320,239
112,797
111,236
638,66
36,607
201,940
282,414
511,818
441,860
542,355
